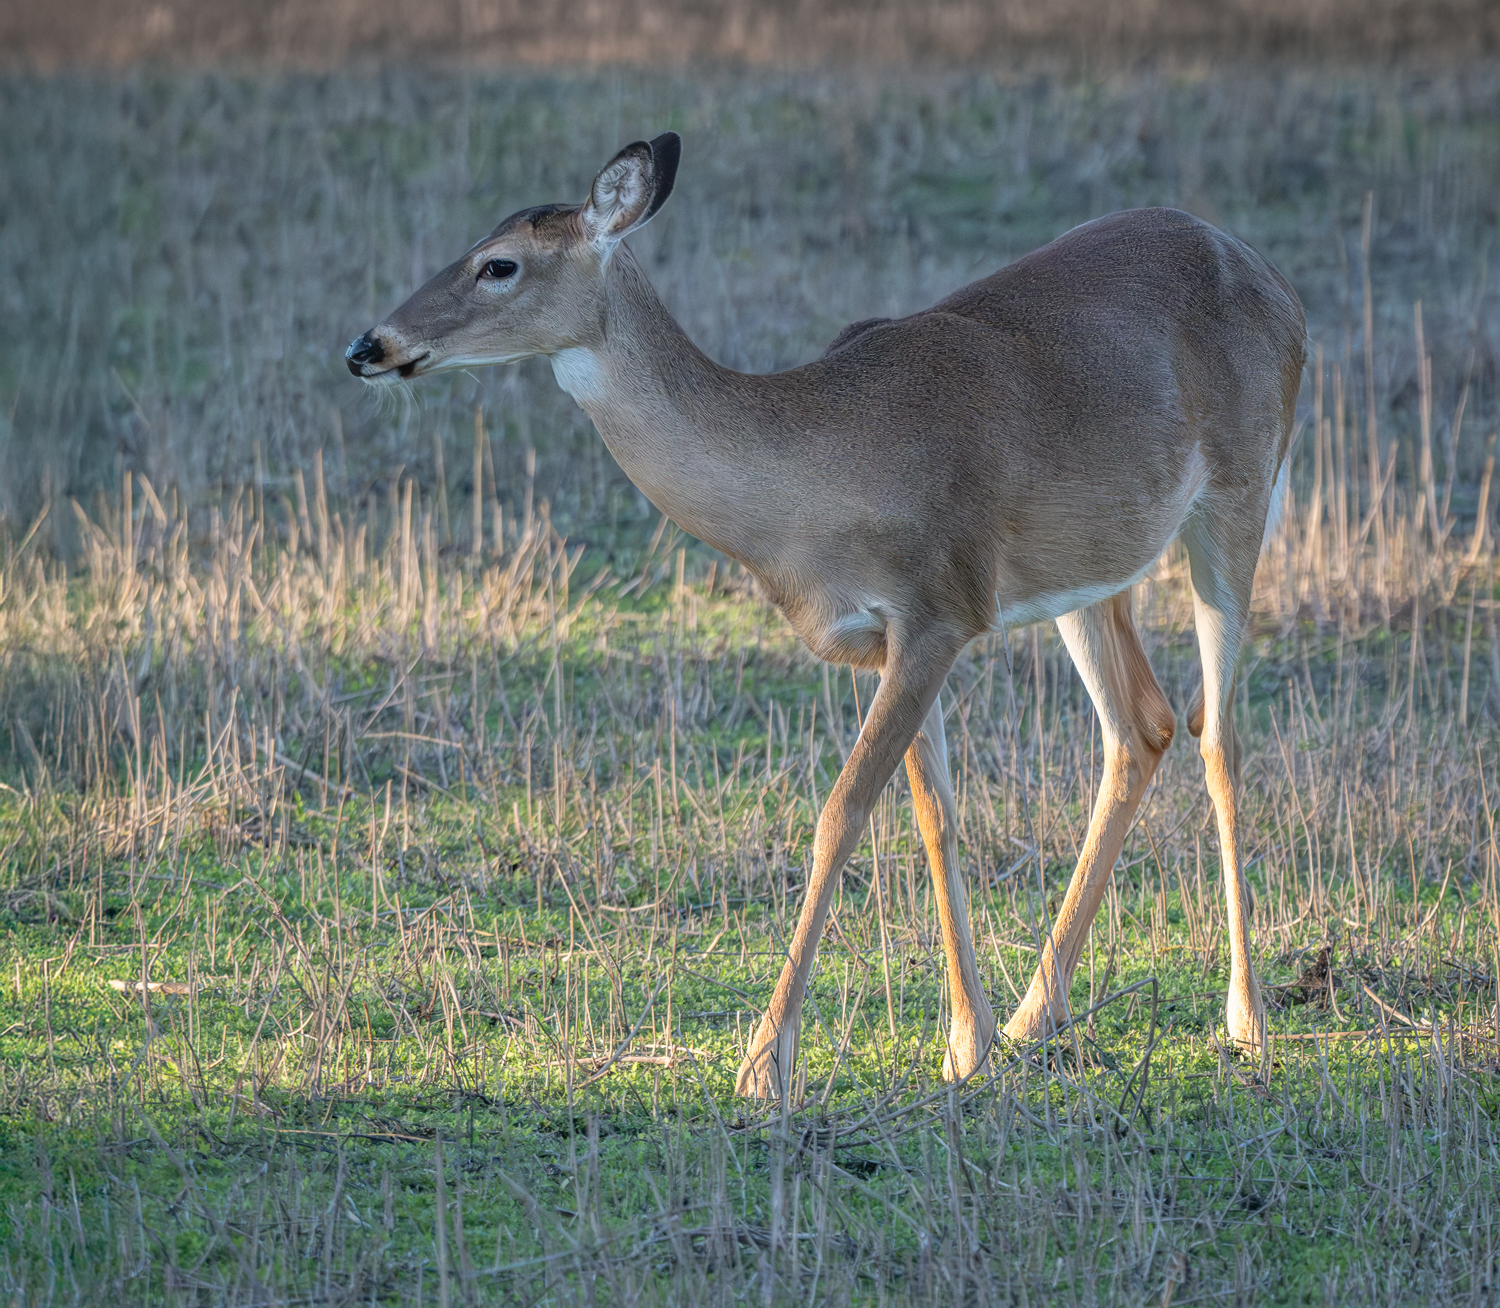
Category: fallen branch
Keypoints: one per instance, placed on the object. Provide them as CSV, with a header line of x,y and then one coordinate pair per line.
x,y
151,987
1400,1017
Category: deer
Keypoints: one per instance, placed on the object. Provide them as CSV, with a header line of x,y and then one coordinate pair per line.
x,y
1022,451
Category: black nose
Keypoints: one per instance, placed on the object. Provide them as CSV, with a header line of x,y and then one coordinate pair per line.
x,y
366,349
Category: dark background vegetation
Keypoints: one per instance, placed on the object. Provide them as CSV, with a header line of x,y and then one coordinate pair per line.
x,y
184,253
202,201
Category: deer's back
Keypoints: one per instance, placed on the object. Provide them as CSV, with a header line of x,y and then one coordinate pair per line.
x,y
1152,266
1131,339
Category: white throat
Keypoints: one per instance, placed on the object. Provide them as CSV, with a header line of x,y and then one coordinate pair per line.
x,y
580,373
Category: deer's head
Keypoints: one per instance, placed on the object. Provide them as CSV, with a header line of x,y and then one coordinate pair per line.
x,y
532,286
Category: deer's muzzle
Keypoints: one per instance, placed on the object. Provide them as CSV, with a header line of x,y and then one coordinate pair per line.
x,y
364,350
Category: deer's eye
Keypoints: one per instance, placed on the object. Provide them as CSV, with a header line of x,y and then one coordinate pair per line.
x,y
499,269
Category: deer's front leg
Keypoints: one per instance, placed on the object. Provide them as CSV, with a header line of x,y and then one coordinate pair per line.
x,y
907,690
770,1061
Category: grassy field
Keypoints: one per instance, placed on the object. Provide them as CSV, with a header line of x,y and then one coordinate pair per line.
x,y
399,825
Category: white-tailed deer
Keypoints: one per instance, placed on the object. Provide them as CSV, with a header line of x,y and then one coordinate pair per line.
x,y
1024,449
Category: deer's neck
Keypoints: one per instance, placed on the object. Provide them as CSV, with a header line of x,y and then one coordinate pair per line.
x,y
682,428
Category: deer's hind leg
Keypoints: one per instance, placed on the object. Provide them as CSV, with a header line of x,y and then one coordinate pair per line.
x,y
1223,549
971,1028
1137,724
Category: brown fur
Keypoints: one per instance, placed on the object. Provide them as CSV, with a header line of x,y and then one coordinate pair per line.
x,y
1023,449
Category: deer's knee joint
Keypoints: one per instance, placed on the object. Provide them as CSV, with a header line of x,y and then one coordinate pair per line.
x,y
1133,761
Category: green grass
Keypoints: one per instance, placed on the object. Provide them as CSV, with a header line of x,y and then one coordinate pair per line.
x,y
322,1053
386,1075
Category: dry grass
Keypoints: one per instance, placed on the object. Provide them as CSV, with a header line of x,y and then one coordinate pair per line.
x,y
660,33
389,886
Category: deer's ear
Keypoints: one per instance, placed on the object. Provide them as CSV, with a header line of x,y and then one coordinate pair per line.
x,y
630,188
